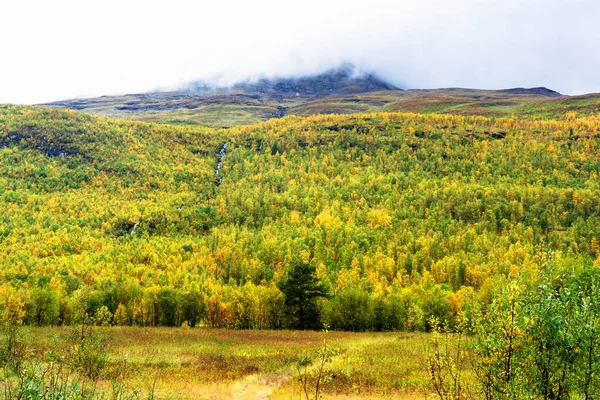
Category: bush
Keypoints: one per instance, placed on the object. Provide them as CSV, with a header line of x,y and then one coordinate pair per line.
x,y
43,307
352,310
540,337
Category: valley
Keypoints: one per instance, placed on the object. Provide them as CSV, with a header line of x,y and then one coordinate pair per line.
x,y
226,252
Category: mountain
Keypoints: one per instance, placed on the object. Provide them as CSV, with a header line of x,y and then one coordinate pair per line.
x,y
337,91
243,103
541,91
343,80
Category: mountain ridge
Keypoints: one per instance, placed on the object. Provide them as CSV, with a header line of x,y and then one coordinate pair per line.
x,y
342,90
344,79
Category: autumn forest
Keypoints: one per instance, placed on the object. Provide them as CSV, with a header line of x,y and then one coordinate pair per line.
x,y
360,222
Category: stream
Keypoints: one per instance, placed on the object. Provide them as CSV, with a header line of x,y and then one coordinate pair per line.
x,y
218,177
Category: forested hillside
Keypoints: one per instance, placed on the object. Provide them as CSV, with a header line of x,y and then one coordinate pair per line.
x,y
387,219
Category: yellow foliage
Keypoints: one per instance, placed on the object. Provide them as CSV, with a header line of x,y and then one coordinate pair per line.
x,y
327,220
379,217
14,309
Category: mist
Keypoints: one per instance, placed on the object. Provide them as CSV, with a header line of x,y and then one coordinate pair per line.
x,y
54,50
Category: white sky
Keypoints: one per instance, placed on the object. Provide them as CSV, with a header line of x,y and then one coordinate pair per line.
x,y
52,50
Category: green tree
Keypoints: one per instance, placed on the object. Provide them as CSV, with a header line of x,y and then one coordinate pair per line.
x,y
302,289
167,307
44,307
588,321
540,337
498,340
193,309
352,310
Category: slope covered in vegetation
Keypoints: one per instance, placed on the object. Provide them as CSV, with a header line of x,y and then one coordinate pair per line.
x,y
402,217
245,102
235,107
337,91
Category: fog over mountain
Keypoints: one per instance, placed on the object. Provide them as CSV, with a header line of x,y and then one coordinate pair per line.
x,y
62,49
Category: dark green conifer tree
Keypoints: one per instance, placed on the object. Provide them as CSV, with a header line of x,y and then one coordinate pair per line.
x,y
301,290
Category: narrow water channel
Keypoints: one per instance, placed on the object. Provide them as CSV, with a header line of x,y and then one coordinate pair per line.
x,y
218,177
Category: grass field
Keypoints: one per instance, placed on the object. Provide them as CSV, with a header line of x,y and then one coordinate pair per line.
x,y
205,363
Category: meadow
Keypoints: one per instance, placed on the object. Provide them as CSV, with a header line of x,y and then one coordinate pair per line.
x,y
207,363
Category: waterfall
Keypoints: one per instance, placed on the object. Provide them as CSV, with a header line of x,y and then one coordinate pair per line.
x,y
218,177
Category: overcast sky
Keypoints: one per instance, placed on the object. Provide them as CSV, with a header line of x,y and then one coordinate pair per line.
x,y
52,50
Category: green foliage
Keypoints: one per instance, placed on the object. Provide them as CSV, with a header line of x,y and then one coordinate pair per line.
x,y
498,337
436,306
352,310
126,222
302,289
389,314
167,305
587,321
193,307
43,308
539,338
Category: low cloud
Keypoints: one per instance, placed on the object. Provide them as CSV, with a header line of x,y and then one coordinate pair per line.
x,y
67,48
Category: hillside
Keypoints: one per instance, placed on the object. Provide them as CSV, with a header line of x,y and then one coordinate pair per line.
x,y
338,91
537,103
414,211
243,103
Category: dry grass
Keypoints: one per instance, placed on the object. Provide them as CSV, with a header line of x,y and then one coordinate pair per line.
x,y
227,364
